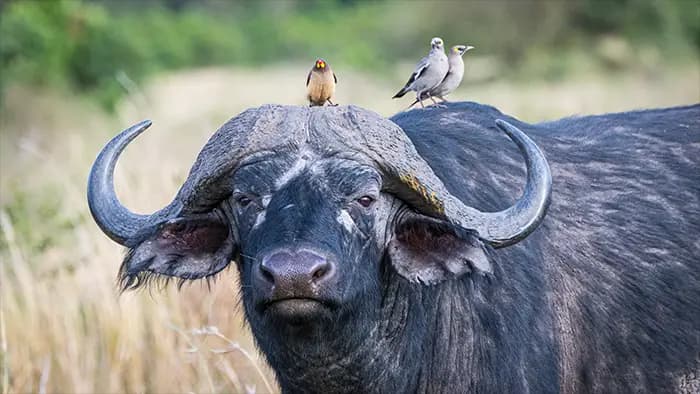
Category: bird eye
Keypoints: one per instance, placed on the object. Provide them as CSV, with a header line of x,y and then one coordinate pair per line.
x,y
365,201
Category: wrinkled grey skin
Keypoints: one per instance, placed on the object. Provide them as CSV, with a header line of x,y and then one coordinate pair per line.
x,y
602,297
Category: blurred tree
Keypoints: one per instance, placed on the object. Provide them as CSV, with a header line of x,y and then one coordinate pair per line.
x,y
84,45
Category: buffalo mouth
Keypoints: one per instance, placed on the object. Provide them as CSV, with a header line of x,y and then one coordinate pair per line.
x,y
296,309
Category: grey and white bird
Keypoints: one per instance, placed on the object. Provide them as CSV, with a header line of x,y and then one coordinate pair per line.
x,y
429,72
453,77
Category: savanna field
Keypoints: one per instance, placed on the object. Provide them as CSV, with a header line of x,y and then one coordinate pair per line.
x,y
76,73
65,327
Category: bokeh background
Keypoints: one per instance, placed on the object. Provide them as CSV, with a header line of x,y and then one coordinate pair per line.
x,y
74,73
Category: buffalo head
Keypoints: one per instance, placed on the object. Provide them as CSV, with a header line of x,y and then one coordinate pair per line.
x,y
312,204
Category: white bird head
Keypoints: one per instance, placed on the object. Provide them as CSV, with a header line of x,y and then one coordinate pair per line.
x,y
436,43
461,49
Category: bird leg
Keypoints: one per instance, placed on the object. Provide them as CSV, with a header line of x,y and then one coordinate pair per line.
x,y
435,103
331,103
444,102
412,104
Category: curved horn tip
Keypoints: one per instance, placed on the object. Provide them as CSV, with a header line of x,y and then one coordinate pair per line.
x,y
115,220
142,126
126,136
507,127
514,224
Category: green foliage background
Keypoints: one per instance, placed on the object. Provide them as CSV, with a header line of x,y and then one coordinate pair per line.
x,y
94,46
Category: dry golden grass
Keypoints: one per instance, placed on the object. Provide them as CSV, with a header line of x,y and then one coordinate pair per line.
x,y
64,327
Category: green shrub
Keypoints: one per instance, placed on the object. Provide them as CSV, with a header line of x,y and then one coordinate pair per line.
x,y
86,46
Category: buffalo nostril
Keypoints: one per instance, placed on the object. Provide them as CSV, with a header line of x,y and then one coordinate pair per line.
x,y
320,271
294,271
267,274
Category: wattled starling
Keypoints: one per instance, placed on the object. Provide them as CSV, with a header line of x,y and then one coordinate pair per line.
x,y
454,75
429,72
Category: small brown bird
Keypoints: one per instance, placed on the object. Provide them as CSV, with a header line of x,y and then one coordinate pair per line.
x,y
320,84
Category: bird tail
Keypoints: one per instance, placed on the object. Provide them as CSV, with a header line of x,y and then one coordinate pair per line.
x,y
401,93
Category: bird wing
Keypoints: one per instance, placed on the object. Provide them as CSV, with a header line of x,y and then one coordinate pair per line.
x,y
335,78
446,75
308,78
422,65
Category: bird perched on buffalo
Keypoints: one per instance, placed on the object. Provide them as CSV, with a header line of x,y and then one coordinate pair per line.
x,y
454,75
320,84
429,72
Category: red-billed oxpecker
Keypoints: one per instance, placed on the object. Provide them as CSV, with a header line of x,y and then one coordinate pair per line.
x,y
320,84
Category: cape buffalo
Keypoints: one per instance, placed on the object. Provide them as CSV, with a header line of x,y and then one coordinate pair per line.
x,y
426,253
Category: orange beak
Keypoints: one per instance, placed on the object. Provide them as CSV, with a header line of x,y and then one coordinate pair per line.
x,y
320,64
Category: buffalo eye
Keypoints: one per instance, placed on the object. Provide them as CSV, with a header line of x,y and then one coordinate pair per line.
x,y
243,201
365,201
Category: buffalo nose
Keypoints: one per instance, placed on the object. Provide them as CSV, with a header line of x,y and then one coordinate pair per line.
x,y
295,271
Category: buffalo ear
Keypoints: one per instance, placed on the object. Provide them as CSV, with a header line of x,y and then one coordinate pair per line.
x,y
185,248
425,250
